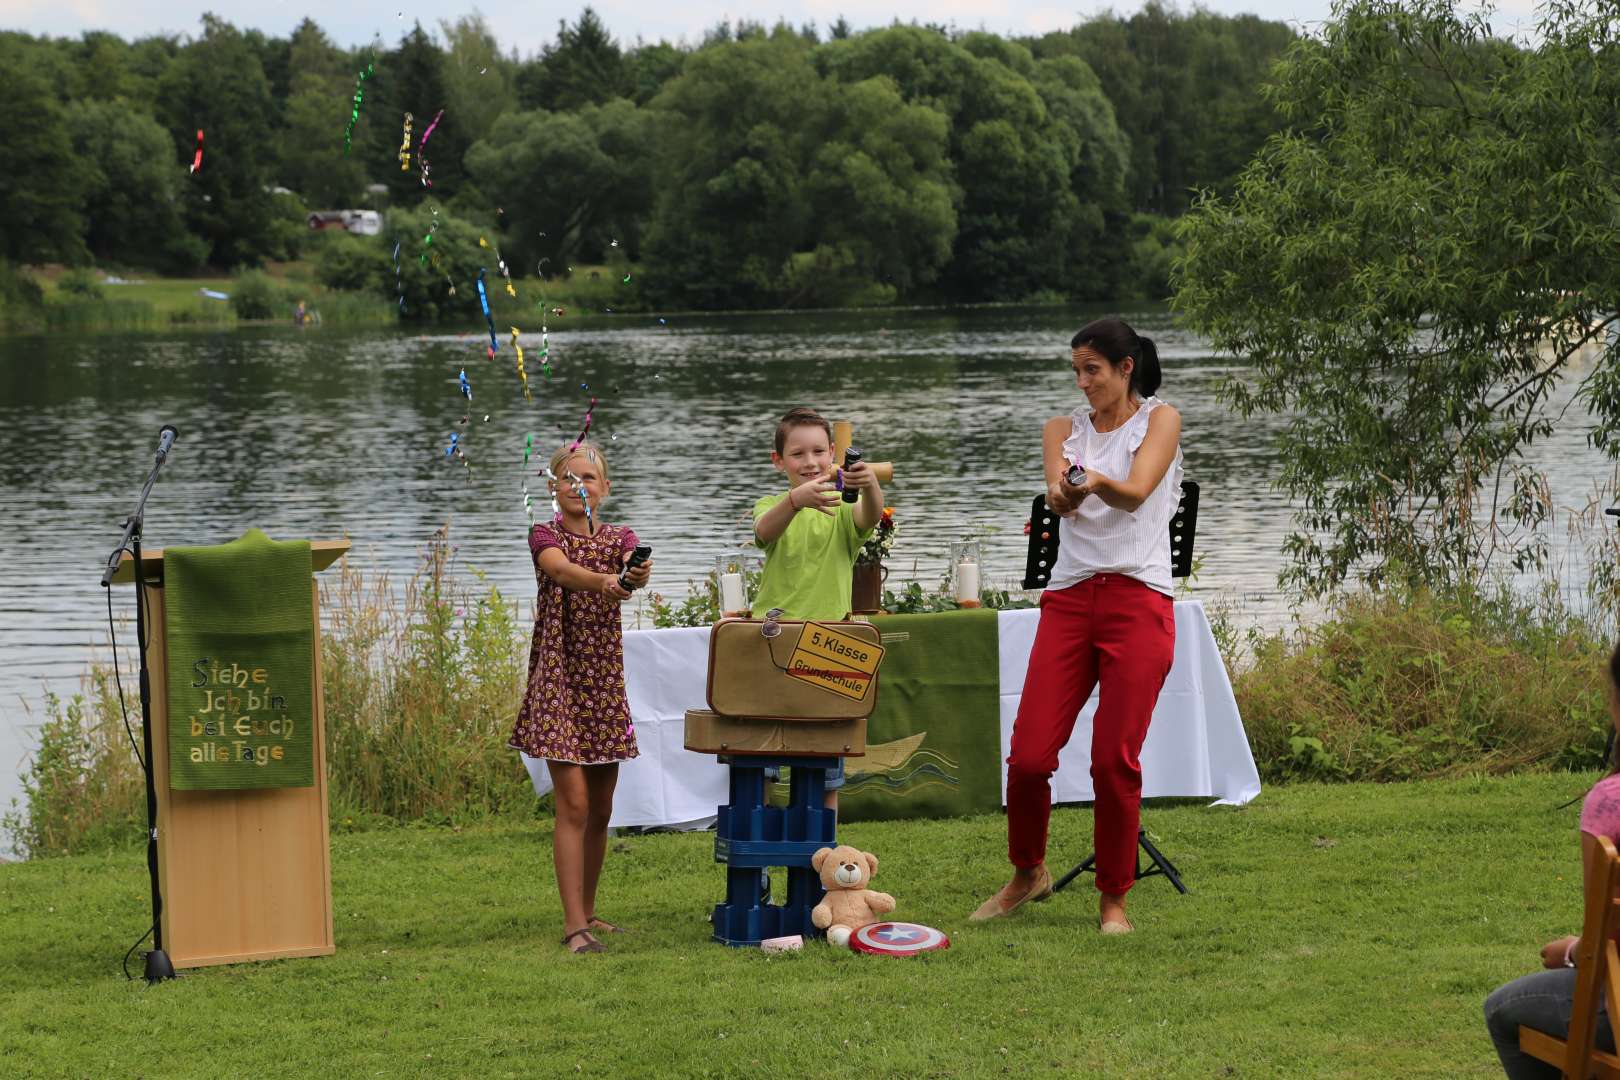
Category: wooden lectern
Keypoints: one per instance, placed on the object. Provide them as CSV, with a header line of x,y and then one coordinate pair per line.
x,y
245,875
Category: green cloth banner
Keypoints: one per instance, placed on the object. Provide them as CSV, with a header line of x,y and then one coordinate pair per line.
x,y
240,624
933,744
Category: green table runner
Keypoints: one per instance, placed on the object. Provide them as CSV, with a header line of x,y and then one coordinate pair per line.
x,y
239,622
933,744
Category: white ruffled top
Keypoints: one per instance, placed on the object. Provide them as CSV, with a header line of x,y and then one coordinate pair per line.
x,y
1099,539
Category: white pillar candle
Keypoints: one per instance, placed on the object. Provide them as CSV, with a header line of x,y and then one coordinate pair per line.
x,y
967,582
732,599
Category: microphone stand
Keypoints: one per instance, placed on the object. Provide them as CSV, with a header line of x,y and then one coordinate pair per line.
x,y
158,965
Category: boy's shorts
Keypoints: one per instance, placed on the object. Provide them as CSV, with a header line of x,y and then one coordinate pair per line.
x,y
835,776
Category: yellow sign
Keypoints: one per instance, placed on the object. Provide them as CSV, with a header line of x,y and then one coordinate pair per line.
x,y
832,660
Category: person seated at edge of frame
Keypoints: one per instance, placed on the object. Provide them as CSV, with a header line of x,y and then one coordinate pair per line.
x,y
1113,474
1546,999
810,535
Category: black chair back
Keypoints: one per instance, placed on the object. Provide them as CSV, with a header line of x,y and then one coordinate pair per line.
x,y
1043,538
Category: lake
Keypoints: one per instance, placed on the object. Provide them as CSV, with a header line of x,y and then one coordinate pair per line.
x,y
327,433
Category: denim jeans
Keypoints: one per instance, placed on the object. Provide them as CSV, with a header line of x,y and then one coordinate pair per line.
x,y
1543,1001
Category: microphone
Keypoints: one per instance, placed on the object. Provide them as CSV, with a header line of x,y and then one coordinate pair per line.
x,y
166,439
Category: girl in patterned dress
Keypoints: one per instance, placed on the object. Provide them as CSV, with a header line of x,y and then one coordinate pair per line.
x,y
575,714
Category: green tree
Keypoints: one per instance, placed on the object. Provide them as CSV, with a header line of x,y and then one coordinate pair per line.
x,y
216,85
879,187
568,183
649,67
1185,89
437,278
1020,222
780,186
1411,269
131,188
42,179
732,207
312,162
411,79
1096,263
584,66
477,78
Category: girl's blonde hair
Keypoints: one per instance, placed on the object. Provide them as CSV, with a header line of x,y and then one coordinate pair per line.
x,y
589,450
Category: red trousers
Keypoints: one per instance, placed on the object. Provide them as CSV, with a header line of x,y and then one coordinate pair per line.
x,y
1110,629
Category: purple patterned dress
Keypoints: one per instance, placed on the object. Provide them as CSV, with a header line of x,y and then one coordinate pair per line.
x,y
575,708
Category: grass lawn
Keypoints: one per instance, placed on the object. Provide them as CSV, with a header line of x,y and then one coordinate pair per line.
x,y
1348,930
168,295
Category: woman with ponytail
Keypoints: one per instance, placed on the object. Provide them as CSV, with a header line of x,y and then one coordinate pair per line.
x,y
1105,615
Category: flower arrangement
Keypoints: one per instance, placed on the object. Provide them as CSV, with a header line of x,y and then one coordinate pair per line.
x,y
880,542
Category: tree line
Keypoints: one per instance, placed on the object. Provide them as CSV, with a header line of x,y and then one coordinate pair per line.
x,y
760,166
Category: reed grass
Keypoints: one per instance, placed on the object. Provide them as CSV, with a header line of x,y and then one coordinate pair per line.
x,y
422,686
1401,685
83,785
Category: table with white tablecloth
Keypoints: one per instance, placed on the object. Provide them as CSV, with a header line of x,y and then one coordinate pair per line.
x,y
1196,745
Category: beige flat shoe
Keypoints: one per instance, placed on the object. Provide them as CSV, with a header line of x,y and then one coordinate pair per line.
x,y
1116,927
587,942
994,908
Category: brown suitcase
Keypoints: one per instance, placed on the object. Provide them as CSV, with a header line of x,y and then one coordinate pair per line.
x,y
748,676
711,733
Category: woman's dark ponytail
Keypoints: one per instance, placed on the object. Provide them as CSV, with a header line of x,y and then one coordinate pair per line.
x,y
1114,338
1146,376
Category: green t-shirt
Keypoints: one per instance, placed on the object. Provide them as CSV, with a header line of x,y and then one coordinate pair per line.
x,y
809,567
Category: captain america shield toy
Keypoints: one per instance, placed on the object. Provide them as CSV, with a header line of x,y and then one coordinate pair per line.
x,y
897,939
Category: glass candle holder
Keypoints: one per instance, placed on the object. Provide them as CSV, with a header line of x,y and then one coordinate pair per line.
x,y
737,574
965,562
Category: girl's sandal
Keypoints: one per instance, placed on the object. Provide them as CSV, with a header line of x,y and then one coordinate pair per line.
x,y
590,944
604,926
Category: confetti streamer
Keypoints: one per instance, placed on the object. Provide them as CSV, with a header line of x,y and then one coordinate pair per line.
x,y
528,448
586,430
405,146
523,376
627,279
466,387
483,302
501,265
359,95
421,151
196,162
455,444
552,478
399,283
579,489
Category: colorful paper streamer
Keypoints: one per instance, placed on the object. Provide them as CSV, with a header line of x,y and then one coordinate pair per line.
x,y
421,151
359,96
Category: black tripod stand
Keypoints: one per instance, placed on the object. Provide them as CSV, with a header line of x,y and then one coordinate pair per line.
x,y
1157,864
158,966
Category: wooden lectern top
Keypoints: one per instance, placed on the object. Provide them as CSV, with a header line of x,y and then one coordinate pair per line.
x,y
322,553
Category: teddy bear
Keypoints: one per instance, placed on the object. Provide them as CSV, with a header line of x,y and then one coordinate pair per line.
x,y
849,904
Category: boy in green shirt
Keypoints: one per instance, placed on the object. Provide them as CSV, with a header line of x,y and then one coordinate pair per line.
x,y
810,535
